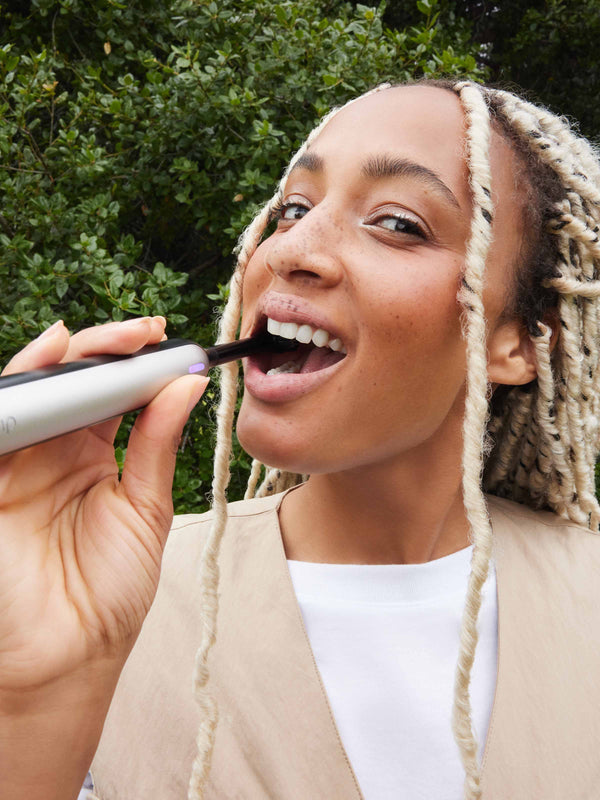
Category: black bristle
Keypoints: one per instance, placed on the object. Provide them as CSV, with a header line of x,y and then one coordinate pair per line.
x,y
282,345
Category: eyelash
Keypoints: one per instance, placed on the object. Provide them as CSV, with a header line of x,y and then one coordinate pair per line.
x,y
412,227
283,207
277,210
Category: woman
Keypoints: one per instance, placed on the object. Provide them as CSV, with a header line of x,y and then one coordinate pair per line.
x,y
439,244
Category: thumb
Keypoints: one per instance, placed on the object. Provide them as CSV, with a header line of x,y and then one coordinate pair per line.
x,y
151,453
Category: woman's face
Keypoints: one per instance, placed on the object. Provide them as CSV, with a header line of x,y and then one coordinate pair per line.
x,y
370,248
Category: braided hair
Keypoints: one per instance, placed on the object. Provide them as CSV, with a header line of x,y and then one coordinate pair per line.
x,y
535,444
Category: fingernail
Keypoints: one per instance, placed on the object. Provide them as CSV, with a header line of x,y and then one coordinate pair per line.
x,y
51,330
196,395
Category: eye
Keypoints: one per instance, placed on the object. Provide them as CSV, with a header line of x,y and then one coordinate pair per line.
x,y
399,223
292,211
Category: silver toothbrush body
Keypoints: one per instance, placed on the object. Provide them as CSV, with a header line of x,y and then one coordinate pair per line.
x,y
52,401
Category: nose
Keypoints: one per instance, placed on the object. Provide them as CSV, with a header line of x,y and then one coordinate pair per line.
x,y
309,251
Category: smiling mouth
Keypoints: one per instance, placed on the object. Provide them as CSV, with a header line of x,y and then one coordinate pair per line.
x,y
317,350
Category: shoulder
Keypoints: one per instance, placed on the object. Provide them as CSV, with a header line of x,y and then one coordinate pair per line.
x,y
514,519
522,515
237,510
544,546
237,513
189,532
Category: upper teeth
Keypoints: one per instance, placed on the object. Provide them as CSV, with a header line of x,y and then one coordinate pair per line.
x,y
304,334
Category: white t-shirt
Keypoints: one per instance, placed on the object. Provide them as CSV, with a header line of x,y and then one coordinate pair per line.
x,y
385,640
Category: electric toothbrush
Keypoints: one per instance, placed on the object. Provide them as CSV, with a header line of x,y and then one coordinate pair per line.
x,y
51,401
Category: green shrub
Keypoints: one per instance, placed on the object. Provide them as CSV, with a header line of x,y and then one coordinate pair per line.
x,y
137,141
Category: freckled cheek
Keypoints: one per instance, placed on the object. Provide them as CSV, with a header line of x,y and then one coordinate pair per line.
x,y
413,316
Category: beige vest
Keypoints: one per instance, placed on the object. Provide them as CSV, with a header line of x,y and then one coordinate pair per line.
x,y
276,736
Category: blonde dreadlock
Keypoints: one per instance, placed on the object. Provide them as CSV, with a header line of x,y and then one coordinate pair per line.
x,y
542,438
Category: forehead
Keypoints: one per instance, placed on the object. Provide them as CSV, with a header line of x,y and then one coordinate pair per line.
x,y
423,124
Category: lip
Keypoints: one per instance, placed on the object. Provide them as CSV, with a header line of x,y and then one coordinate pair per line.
x,y
288,386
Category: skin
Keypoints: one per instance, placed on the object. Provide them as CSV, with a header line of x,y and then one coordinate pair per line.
x,y
382,437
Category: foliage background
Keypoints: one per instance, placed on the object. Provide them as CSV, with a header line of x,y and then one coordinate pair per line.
x,y
547,47
138,139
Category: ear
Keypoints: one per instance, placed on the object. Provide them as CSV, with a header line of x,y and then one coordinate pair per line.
x,y
511,355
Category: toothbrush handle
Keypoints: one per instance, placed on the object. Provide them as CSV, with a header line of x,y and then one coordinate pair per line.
x,y
49,402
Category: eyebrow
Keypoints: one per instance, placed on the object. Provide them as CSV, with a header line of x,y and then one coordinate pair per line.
x,y
310,161
386,166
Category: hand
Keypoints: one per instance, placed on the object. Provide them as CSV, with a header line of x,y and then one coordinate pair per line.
x,y
80,549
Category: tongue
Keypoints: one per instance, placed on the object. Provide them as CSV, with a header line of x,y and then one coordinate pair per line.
x,y
319,358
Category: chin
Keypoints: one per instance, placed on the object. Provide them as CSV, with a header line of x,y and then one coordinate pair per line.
x,y
275,445
271,450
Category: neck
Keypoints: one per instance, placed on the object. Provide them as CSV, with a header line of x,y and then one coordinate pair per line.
x,y
402,513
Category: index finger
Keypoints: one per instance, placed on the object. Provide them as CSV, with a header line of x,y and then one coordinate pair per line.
x,y
49,348
118,338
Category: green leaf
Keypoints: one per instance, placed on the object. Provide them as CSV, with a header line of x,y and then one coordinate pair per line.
x,y
61,287
160,272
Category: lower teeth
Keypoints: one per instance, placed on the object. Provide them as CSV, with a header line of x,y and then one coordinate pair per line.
x,y
289,366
